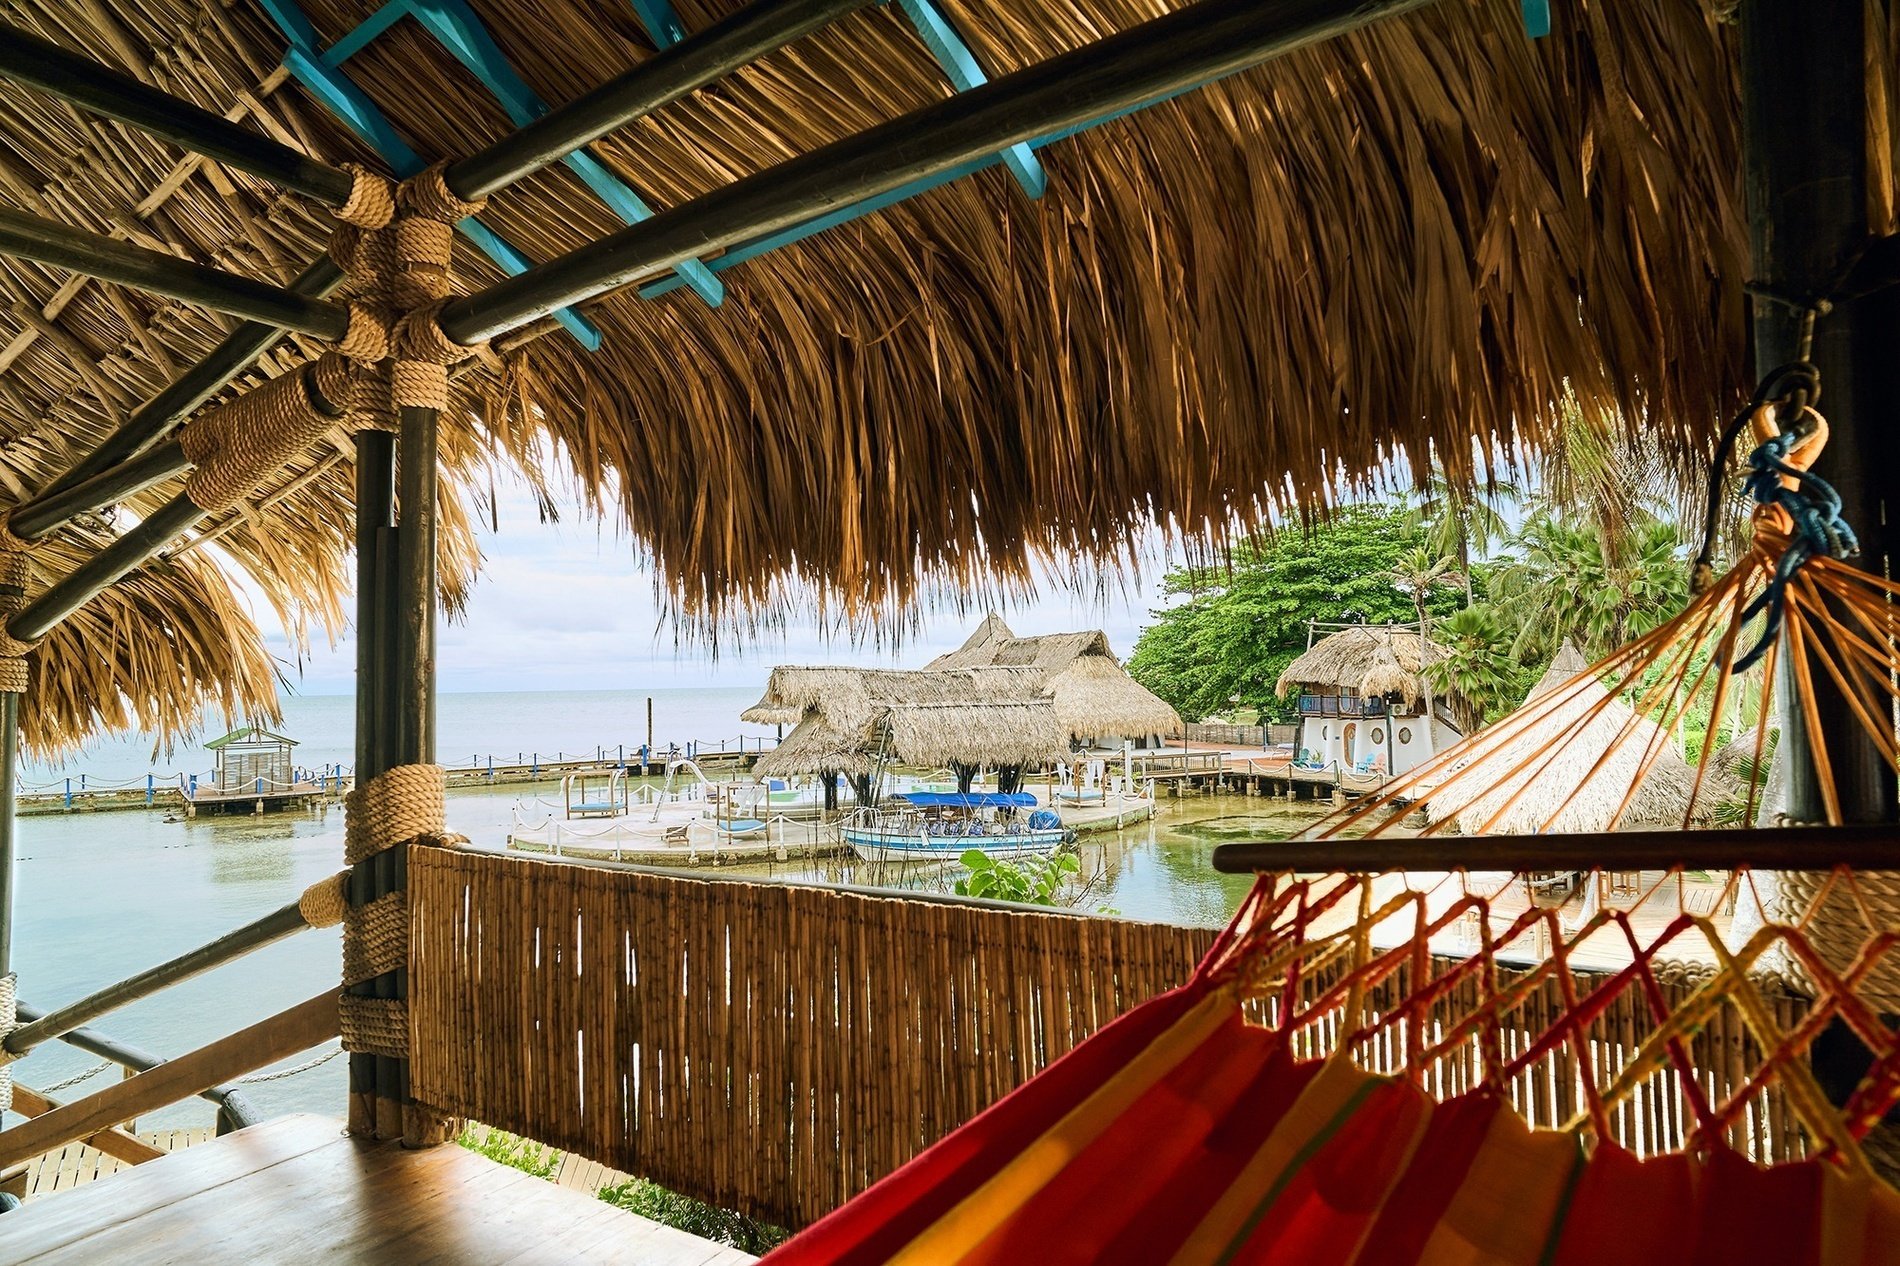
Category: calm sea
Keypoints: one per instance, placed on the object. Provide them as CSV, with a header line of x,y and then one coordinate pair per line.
x,y
103,895
507,725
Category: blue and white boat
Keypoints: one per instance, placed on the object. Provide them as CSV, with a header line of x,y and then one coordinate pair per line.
x,y
943,825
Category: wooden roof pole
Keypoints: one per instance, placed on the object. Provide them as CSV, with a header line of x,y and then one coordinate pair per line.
x,y
1163,56
694,62
76,78
1804,115
25,236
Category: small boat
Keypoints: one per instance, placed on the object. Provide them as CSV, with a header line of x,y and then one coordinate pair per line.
x,y
943,825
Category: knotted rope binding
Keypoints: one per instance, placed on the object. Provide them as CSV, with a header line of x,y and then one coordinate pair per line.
x,y
396,243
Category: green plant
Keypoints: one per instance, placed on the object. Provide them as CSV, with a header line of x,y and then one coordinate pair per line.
x,y
511,1149
695,1217
1033,880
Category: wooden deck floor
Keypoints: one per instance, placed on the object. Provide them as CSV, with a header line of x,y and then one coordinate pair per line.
x,y
297,1189
76,1163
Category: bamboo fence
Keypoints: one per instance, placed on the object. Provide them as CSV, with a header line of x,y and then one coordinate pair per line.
x,y
775,1049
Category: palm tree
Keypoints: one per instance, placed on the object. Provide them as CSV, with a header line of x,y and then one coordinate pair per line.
x,y
1601,588
1458,520
1418,573
1477,665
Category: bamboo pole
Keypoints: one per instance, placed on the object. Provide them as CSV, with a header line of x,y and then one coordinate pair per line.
x,y
1181,50
46,241
26,58
694,62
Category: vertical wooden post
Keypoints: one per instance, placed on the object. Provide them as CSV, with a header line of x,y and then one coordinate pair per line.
x,y
1804,112
373,1078
1805,135
412,671
9,783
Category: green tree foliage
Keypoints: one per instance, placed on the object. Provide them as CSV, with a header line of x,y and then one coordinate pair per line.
x,y
1598,585
1479,664
1243,623
1461,524
1034,881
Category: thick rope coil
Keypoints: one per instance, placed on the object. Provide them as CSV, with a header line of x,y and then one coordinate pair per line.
x,y
428,195
9,1021
374,1026
376,938
15,567
372,201
325,903
1840,928
396,806
366,338
239,447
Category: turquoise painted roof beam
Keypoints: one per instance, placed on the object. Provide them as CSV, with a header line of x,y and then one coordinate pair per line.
x,y
952,52
758,246
661,22
455,25
358,113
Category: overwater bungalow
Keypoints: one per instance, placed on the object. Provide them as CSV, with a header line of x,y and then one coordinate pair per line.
x,y
837,304
1367,710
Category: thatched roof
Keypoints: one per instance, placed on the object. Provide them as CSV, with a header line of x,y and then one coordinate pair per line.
x,y
815,746
971,716
1563,773
1430,230
1368,660
1093,694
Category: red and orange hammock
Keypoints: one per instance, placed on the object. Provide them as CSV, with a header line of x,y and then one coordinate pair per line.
x,y
1291,1103
1199,1129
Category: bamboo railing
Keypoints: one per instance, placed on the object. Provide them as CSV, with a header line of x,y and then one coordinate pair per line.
x,y
775,1049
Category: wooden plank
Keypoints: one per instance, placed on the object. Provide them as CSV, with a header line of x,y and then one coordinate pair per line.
x,y
308,1193
115,1143
282,1035
47,1224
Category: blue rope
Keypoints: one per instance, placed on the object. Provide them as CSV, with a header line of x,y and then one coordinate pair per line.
x,y
1815,509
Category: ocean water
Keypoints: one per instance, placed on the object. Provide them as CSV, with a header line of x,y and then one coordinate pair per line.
x,y
470,728
101,895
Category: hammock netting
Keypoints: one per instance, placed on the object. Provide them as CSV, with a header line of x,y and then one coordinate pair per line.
x,y
1350,1074
1292,1103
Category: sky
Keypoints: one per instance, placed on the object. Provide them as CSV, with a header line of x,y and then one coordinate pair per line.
x,y
568,606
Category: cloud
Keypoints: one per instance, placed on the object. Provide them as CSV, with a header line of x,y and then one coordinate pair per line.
x,y
569,606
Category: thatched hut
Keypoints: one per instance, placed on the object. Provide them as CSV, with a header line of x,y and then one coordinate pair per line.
x,y
1095,698
1363,698
853,720
1572,768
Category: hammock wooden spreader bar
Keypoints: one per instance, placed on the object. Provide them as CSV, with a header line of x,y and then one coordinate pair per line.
x,y
1861,846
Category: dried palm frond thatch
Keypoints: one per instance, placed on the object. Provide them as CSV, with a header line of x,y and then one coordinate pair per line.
x,y
1368,661
1429,230
153,653
1607,748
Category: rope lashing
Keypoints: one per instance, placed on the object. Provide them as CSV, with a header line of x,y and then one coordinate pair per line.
x,y
9,1021
14,569
325,903
396,806
372,200
1806,505
241,446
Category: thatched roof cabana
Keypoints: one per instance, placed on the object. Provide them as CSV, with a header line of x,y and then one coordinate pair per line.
x,y
1093,694
1545,782
848,717
1366,660
1328,261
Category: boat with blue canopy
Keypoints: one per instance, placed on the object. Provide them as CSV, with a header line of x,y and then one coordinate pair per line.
x,y
943,825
